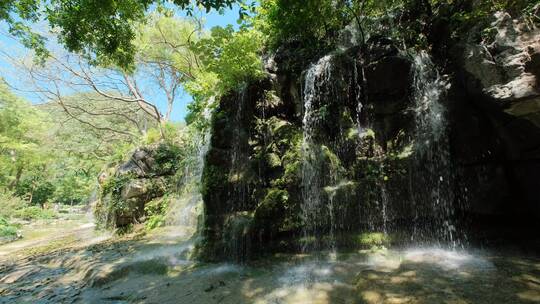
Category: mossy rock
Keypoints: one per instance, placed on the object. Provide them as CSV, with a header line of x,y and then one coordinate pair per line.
x,y
343,192
237,236
270,214
373,239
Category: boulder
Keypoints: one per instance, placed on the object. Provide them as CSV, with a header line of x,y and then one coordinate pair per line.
x,y
507,71
497,118
140,164
128,187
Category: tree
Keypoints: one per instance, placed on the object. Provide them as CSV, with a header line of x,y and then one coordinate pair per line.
x,y
47,154
22,131
166,55
228,60
98,29
164,61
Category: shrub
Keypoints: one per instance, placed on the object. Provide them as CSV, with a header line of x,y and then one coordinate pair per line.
x,y
373,239
34,213
10,203
7,231
38,188
155,211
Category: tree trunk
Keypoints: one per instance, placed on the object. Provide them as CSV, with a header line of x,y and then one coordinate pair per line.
x,y
17,179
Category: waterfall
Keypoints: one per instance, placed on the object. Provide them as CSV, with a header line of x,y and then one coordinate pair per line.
x,y
431,165
187,205
238,224
239,157
317,75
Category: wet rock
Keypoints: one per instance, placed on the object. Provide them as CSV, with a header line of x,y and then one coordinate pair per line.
x,y
388,84
380,47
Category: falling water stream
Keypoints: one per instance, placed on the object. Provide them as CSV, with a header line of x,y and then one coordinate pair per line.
x,y
238,241
431,167
317,75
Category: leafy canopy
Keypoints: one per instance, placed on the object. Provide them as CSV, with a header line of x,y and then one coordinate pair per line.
x,y
228,59
100,29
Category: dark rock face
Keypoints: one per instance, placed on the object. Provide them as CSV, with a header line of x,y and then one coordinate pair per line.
x,y
252,181
371,170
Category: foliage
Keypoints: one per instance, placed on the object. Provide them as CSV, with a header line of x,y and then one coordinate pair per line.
x,y
156,211
165,54
48,157
10,203
100,29
171,134
36,188
168,157
233,56
373,239
34,213
72,189
229,60
314,23
169,40
23,131
110,201
462,18
7,230
16,207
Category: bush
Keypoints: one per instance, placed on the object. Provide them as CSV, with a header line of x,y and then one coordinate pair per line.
x,y
171,133
155,211
34,213
7,231
10,203
373,239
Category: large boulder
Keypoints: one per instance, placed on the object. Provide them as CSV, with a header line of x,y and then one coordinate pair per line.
x,y
128,187
140,164
497,117
507,71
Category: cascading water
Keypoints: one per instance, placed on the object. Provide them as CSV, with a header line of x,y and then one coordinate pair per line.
x,y
188,203
311,165
238,224
239,156
431,171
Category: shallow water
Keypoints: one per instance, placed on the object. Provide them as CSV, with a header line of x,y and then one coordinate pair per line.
x,y
157,269
411,275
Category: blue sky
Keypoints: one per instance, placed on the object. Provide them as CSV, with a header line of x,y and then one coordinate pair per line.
x,y
15,49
